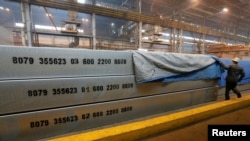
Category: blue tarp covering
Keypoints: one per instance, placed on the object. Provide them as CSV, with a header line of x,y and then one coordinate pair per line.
x,y
171,67
212,71
244,64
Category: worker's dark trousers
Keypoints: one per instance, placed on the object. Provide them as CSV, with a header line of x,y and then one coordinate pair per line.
x,y
231,86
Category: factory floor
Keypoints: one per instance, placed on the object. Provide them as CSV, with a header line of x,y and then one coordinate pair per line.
x,y
188,124
199,131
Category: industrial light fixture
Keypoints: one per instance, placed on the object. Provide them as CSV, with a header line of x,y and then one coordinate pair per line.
x,y
184,37
5,9
44,27
85,20
81,1
225,9
49,15
142,49
165,34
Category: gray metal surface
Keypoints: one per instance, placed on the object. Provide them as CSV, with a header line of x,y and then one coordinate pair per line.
x,y
37,94
46,92
48,123
26,63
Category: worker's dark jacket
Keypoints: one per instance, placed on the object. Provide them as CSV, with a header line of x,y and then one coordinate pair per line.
x,y
235,73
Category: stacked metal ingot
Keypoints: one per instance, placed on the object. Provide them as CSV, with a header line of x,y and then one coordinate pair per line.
x,y
47,92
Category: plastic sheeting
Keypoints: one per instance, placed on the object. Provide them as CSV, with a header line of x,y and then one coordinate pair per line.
x,y
244,64
170,67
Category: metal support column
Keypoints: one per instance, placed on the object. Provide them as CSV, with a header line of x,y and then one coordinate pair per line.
x,y
222,38
94,31
203,44
180,40
23,29
26,18
248,37
203,39
179,37
173,39
140,27
140,36
235,33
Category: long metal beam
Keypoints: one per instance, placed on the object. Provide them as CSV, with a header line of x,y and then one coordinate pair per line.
x,y
133,16
34,63
37,125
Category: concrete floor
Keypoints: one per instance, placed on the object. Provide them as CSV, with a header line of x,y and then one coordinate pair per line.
x,y
198,131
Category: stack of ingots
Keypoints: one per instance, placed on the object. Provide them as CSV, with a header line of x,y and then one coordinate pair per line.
x,y
46,92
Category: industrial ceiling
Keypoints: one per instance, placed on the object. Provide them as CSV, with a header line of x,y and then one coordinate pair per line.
x,y
227,17
233,14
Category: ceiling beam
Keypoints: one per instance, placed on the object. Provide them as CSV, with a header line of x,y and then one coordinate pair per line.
x,y
129,15
204,11
235,16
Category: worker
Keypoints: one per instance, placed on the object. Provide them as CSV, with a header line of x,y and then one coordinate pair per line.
x,y
235,73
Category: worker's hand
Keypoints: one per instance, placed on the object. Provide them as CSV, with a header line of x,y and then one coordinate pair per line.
x,y
219,62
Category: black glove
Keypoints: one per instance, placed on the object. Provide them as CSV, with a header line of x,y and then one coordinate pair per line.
x,y
219,62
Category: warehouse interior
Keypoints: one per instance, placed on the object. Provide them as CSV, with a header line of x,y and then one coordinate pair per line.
x,y
218,27
117,69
